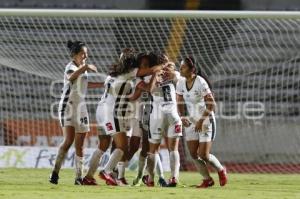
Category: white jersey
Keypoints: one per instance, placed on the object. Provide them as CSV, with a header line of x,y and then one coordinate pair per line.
x,y
194,97
114,111
72,106
75,91
117,90
165,92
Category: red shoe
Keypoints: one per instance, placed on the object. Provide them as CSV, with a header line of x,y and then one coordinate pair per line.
x,y
223,177
150,184
122,182
172,182
146,181
206,183
109,179
89,181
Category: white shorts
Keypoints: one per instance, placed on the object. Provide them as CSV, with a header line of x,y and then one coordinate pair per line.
x,y
136,129
75,115
206,136
159,118
108,124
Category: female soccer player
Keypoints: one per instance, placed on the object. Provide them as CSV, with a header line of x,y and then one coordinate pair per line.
x,y
164,111
200,125
112,115
73,113
139,128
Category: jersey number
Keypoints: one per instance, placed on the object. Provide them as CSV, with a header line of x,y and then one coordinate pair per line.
x,y
84,120
167,93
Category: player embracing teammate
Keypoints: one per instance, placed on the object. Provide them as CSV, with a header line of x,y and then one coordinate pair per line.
x,y
145,99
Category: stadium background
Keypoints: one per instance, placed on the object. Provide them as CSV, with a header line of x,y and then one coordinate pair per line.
x,y
270,144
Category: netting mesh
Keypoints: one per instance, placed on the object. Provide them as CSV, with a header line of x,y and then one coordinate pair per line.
x,y
253,65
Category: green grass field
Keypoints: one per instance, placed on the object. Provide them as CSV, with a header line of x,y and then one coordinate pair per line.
x,y
33,183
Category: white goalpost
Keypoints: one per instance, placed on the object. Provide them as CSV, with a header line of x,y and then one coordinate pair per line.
x,y
251,58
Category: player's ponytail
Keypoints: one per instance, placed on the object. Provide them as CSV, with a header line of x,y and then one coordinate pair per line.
x,y
74,47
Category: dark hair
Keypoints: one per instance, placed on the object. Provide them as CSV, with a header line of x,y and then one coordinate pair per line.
x,y
157,57
190,61
127,62
74,47
141,56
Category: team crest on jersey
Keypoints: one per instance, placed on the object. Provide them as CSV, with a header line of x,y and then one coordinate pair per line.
x,y
109,126
196,93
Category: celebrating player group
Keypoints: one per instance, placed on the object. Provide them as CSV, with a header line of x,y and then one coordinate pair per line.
x,y
145,100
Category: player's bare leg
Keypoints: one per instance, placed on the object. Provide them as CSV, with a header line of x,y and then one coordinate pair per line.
x,y
79,141
121,146
204,153
153,157
193,146
142,159
174,160
103,145
69,135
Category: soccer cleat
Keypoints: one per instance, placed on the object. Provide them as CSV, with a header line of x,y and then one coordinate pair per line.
x,y
109,179
122,182
88,181
162,182
78,181
223,177
206,183
147,182
145,179
172,182
150,184
53,178
137,182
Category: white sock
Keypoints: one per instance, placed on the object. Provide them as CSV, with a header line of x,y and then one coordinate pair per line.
x,y
78,166
121,169
114,158
151,165
142,166
215,162
174,164
201,164
61,154
159,168
94,162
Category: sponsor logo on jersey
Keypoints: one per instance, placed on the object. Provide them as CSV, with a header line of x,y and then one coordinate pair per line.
x,y
109,126
178,128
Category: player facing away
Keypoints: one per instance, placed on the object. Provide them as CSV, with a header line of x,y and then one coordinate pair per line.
x,y
164,111
200,124
72,109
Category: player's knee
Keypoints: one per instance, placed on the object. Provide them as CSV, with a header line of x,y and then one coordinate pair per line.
x,y
66,145
144,153
204,157
194,156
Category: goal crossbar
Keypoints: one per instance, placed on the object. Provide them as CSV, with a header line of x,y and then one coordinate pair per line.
x,y
151,13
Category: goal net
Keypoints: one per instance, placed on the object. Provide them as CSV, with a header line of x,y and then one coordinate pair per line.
x,y
251,58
